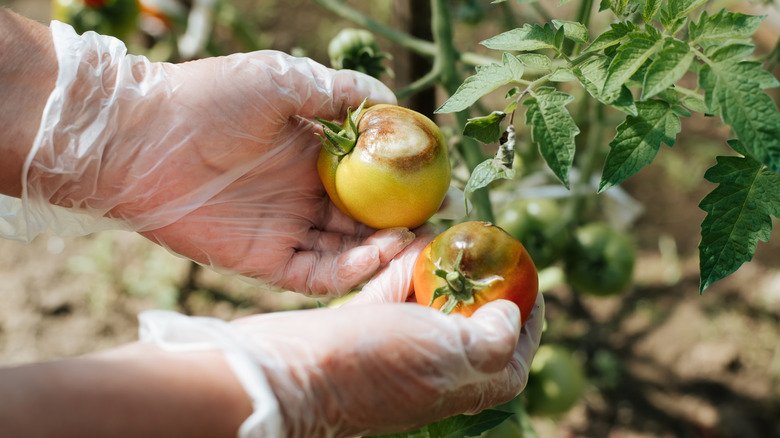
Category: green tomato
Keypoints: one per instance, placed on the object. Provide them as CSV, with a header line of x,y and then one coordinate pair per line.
x,y
540,225
356,49
396,174
118,18
600,260
556,381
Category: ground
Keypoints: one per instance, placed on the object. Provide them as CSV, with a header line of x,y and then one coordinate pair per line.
x,y
662,360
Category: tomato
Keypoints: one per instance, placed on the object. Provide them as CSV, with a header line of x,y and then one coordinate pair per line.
x,y
556,381
394,171
473,263
600,260
356,49
540,225
107,17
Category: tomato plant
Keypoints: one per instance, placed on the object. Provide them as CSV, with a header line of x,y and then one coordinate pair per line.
x,y
600,260
556,381
387,166
540,225
473,263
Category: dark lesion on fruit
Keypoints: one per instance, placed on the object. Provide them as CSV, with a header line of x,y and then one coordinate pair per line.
x,y
376,131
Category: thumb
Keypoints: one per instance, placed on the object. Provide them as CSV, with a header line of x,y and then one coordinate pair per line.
x,y
490,335
394,283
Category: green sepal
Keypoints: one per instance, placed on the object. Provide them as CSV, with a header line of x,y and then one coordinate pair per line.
x,y
458,288
339,140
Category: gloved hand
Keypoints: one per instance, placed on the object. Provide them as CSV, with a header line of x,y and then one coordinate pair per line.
x,y
213,159
365,368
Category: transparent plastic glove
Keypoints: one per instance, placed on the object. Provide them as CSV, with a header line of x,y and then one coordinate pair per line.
x,y
366,368
213,159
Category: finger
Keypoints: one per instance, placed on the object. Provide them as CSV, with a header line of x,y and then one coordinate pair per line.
x,y
338,273
394,283
336,221
490,335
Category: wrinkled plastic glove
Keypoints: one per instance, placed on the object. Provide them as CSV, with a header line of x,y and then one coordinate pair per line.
x,y
365,368
213,159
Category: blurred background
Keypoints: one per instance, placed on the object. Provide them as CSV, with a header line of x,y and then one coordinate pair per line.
x,y
655,360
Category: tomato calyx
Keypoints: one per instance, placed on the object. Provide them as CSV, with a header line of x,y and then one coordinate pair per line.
x,y
458,287
339,140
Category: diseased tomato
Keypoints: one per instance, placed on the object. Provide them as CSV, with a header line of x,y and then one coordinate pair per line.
x,y
556,381
387,166
600,260
540,225
473,263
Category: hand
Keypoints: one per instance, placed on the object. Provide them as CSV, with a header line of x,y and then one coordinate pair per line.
x,y
366,367
213,159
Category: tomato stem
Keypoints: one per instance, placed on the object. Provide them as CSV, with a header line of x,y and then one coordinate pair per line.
x,y
458,287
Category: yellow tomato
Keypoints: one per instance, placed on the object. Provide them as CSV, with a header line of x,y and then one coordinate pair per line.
x,y
396,175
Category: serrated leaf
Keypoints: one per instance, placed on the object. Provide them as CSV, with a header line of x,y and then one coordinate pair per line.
x,y
573,30
651,9
527,38
738,215
724,25
638,140
562,74
535,60
681,8
670,65
485,129
630,57
617,34
487,79
515,67
735,90
592,74
485,173
461,426
553,129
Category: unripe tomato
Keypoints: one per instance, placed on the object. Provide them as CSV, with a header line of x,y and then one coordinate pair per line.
x,y
556,381
396,174
600,260
356,49
473,263
540,225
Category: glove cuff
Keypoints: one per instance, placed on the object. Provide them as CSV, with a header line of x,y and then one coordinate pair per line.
x,y
179,333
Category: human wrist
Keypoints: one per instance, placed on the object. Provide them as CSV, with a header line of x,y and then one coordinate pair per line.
x,y
107,393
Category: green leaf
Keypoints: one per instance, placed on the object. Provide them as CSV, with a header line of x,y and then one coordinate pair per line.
x,y
573,30
562,74
485,173
552,128
671,64
724,25
617,34
461,426
630,57
735,90
535,60
681,8
592,74
651,9
638,140
487,79
485,129
738,215
527,38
